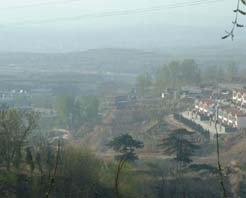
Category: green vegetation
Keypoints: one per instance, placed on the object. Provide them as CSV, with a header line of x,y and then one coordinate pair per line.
x,y
15,127
7,177
79,112
175,74
74,111
178,143
125,145
75,171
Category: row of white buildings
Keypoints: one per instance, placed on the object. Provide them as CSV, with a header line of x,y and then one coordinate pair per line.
x,y
239,97
230,116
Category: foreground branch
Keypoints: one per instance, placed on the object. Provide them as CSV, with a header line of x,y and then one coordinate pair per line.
x,y
219,163
52,181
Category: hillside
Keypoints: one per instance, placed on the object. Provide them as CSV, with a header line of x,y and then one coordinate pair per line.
x,y
117,60
99,60
235,146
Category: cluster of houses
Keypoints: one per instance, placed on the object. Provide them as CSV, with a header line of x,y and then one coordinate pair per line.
x,y
8,96
20,98
230,114
239,97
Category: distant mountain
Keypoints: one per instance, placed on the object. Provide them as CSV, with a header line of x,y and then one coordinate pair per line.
x,y
126,49
99,60
147,37
119,60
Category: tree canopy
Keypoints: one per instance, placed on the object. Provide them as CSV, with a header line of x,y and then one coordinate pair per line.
x,y
74,111
125,145
178,143
15,127
176,74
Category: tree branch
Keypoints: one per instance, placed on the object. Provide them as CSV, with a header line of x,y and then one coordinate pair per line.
x,y
219,163
52,181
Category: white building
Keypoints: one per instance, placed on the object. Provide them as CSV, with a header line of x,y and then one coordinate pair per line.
x,y
232,117
239,97
205,106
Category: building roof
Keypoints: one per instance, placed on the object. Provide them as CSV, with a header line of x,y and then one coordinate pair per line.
x,y
241,91
234,111
189,100
207,101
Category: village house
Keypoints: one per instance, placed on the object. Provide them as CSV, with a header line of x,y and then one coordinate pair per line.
x,y
232,117
239,97
224,108
205,108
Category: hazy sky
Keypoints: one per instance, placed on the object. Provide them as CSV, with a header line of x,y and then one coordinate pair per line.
x,y
71,25
63,13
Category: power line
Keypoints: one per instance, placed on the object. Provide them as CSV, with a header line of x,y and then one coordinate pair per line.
x,y
48,2
39,4
124,12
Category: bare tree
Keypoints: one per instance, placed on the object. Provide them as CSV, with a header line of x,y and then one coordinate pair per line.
x,y
15,127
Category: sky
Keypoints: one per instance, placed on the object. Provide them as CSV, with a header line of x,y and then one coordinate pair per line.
x,y
20,20
63,13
